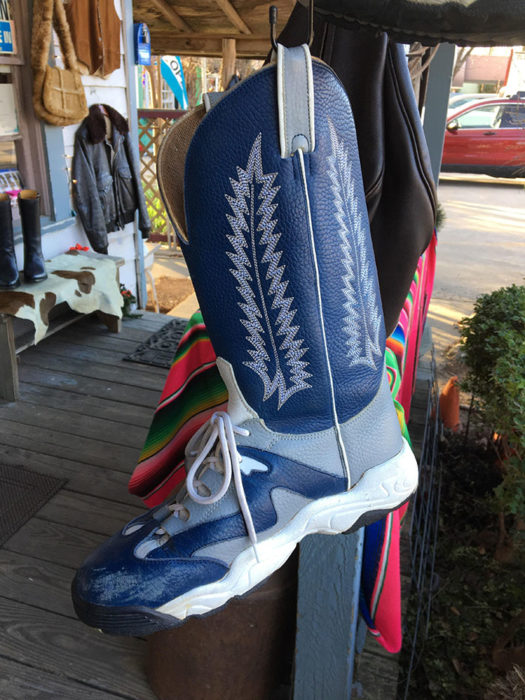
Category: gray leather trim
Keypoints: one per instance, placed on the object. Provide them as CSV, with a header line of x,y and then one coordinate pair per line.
x,y
373,436
295,100
210,99
319,449
201,513
370,438
286,504
238,408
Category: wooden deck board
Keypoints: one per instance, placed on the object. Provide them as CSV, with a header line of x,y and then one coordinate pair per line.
x,y
85,405
100,355
67,648
94,427
88,513
98,339
87,479
83,415
19,682
26,579
118,372
54,542
81,449
101,389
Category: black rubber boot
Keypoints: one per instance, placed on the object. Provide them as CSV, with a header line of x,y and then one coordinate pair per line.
x,y
9,278
29,205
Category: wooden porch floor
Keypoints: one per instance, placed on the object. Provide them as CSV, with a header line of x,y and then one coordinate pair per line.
x,y
83,416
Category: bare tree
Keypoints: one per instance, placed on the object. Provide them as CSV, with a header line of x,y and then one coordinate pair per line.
x,y
462,55
419,59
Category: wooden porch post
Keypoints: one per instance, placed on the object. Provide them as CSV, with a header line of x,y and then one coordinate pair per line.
x,y
327,614
438,89
229,53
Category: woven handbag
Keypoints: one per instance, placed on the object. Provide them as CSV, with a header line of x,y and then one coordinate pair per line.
x,y
58,93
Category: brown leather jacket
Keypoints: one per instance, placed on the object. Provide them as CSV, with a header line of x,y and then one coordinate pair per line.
x,y
95,29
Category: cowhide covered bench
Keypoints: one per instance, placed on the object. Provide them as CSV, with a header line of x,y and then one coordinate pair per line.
x,y
86,282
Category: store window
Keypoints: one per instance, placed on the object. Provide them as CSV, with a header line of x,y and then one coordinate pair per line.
x,y
22,151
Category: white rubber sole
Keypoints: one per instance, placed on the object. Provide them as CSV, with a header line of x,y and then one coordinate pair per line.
x,y
381,488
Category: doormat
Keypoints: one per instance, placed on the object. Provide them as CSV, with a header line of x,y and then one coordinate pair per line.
x,y
159,349
22,494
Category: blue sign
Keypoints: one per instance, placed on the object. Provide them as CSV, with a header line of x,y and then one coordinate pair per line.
x,y
172,72
142,44
6,37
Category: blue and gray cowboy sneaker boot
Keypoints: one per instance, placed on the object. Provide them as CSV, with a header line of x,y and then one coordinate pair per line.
x,y
274,230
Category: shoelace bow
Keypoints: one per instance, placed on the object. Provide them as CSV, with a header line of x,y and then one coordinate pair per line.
x,y
220,432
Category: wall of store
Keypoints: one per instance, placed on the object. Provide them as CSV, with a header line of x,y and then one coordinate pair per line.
x,y
112,90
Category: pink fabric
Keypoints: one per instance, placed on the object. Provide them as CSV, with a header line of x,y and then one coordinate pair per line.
x,y
387,592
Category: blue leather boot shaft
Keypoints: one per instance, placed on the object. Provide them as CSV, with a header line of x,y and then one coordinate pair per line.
x,y
270,299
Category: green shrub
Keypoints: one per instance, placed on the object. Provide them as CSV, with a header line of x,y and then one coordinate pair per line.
x,y
494,347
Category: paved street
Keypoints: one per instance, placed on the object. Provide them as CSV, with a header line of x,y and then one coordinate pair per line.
x,y
480,247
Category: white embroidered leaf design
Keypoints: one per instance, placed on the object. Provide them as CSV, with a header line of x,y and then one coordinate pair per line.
x,y
362,323
276,353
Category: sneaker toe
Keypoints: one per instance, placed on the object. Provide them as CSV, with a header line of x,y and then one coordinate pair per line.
x,y
115,576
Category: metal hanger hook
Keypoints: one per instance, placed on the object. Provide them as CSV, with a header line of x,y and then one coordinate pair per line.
x,y
273,23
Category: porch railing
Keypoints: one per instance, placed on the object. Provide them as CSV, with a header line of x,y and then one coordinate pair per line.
x,y
153,125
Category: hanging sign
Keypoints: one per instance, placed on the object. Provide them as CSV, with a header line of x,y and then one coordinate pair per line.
x,y
172,72
7,29
142,44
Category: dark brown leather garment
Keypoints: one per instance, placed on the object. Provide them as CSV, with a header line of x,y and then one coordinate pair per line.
x,y
397,175
95,29
462,22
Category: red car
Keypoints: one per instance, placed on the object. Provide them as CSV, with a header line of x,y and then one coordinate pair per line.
x,y
487,137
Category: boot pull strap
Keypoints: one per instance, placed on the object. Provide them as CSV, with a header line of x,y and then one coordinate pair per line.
x,y
295,100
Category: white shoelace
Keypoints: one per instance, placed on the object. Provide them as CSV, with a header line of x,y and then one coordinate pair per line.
x,y
220,431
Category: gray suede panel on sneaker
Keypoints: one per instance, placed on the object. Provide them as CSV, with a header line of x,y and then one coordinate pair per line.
x,y
286,505
317,450
201,513
370,438
373,436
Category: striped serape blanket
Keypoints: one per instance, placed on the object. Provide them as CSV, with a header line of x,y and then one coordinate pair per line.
x,y
193,391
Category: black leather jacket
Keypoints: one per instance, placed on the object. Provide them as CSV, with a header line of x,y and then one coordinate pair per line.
x,y
106,181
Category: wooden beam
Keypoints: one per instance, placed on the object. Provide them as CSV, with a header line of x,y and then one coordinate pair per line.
x,y
234,17
228,61
173,17
208,45
168,34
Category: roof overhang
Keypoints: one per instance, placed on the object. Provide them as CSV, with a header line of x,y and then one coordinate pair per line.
x,y
199,27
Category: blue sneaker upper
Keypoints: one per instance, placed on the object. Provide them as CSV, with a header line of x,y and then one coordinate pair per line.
x,y
127,570
253,267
